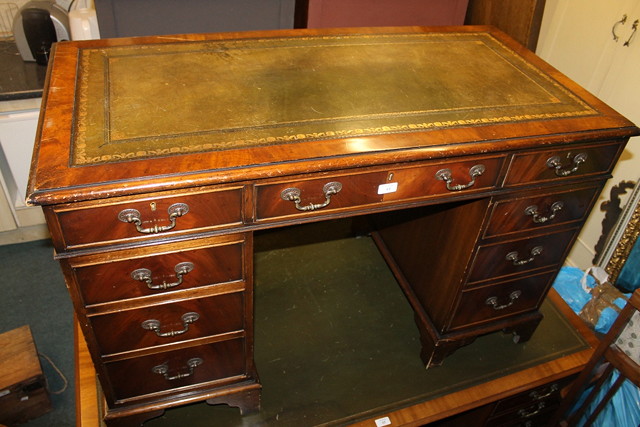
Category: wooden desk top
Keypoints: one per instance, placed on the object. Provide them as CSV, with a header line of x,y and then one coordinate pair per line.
x,y
455,402
236,106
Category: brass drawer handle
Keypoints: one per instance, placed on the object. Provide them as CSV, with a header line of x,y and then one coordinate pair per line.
x,y
133,216
154,325
539,219
493,301
535,396
445,175
522,413
513,256
293,195
164,369
555,163
144,275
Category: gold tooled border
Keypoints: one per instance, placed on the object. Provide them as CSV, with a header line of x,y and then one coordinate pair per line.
x,y
79,147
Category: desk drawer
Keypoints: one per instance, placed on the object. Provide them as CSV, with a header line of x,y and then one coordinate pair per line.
x,y
558,164
487,303
91,224
164,372
352,191
548,393
318,195
519,256
533,407
540,210
158,270
533,415
168,323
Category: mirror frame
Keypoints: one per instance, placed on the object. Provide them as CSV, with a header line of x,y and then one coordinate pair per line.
x,y
622,238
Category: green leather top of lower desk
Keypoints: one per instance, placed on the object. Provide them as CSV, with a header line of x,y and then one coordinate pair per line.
x,y
336,341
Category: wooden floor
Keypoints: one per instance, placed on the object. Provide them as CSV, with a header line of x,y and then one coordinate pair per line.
x,y
87,412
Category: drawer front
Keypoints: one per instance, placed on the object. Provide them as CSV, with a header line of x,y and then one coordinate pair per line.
x,y
354,190
163,372
432,180
548,209
168,323
533,415
520,256
487,303
531,408
548,393
554,165
158,215
365,189
159,273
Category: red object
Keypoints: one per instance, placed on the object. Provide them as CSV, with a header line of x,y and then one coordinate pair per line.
x,y
362,13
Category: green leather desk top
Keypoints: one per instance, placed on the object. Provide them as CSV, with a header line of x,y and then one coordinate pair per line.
x,y
154,100
133,115
323,363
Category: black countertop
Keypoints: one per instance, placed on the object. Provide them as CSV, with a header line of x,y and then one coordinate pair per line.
x,y
19,79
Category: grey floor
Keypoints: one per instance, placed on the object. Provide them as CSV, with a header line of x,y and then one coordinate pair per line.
x,y
33,293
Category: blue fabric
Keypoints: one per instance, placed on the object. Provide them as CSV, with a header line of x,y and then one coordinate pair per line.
x,y
623,409
567,284
629,278
608,316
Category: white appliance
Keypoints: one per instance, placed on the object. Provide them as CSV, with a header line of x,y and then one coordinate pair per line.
x,y
83,21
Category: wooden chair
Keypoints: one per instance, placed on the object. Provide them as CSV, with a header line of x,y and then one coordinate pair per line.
x,y
613,352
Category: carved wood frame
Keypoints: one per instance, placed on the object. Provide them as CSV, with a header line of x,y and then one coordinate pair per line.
x,y
623,237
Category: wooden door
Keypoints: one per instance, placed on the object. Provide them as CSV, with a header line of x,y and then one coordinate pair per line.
x,y
520,19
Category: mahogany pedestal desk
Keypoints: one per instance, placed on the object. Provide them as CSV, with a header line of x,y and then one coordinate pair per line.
x,y
473,161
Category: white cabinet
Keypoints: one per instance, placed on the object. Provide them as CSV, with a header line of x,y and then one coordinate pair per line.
x,y
18,222
7,220
577,37
17,135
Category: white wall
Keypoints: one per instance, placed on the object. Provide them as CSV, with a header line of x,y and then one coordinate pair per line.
x,y
576,37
